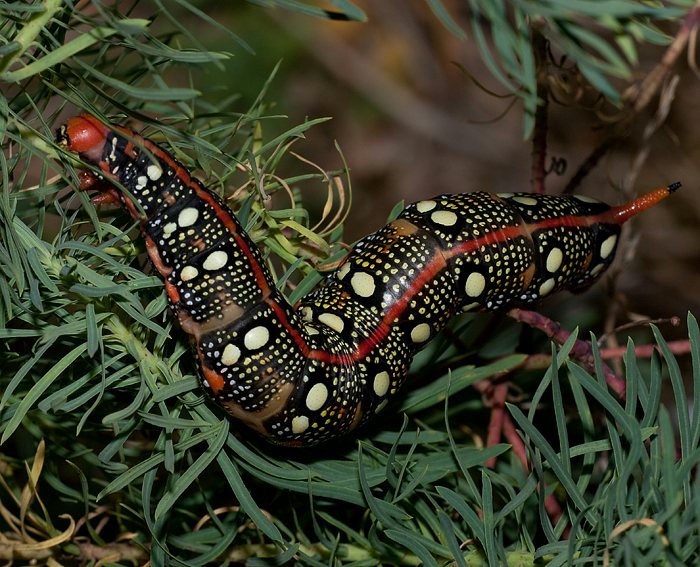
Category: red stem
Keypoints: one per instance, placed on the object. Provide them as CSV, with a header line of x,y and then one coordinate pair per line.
x,y
581,350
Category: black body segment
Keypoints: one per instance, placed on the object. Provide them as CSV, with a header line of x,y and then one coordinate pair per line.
x,y
302,376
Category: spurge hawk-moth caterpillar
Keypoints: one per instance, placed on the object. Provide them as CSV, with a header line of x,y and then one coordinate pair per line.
x,y
303,375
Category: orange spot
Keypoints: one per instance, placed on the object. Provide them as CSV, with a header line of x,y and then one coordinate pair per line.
x,y
214,379
172,292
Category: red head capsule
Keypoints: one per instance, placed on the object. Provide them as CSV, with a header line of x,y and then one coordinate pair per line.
x,y
84,134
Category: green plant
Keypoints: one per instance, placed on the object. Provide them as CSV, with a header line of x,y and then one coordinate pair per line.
x,y
110,453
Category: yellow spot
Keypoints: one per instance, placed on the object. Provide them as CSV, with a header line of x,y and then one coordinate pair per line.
x,y
546,287
362,284
169,228
607,247
300,424
317,396
188,273
154,172
381,406
445,218
554,259
425,206
597,269
475,285
505,195
381,384
420,333
231,355
215,261
343,271
585,199
525,200
332,321
187,217
256,338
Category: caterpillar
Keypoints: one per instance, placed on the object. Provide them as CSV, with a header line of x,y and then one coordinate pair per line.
x,y
306,374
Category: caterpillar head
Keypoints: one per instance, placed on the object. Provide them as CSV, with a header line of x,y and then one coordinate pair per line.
x,y
84,135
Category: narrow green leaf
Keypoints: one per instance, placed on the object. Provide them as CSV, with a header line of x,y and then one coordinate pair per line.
x,y
553,461
170,94
216,442
446,19
246,501
412,543
38,390
67,50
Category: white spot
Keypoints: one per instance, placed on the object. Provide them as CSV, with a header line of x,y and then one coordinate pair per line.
x,y
362,284
333,321
154,172
420,333
505,195
381,406
215,261
188,273
317,396
141,181
445,218
381,384
187,217
554,259
525,200
425,206
546,287
607,247
343,271
471,306
256,338
231,355
312,330
307,314
300,424
168,229
475,285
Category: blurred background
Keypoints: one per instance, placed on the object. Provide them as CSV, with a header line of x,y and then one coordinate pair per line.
x,y
416,113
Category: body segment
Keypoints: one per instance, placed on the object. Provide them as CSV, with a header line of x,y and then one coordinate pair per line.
x,y
304,375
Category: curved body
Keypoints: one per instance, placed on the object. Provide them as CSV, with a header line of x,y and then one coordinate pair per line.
x,y
304,375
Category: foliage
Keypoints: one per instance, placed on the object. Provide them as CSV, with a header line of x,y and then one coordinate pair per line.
x,y
109,450
599,37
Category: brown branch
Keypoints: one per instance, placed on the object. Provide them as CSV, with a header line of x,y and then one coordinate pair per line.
x,y
637,97
581,351
590,163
